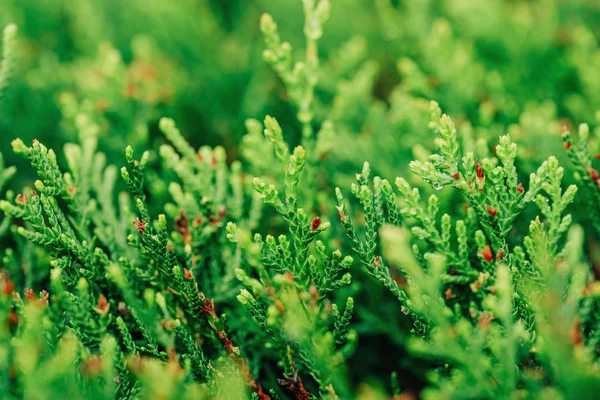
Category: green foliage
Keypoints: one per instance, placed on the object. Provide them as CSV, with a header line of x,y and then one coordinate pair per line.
x,y
8,56
221,260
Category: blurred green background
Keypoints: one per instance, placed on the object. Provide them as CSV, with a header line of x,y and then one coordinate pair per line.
x,y
525,67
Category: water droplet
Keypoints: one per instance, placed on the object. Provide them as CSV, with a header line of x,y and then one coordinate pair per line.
x,y
437,185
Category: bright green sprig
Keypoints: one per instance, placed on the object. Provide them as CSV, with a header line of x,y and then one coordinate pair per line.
x,y
8,57
300,78
133,174
581,158
293,278
52,182
492,190
342,332
476,363
366,248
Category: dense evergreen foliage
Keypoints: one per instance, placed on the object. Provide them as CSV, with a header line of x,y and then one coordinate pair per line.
x,y
163,237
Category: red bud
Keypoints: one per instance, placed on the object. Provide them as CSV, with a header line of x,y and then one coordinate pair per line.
x,y
140,226
377,261
479,170
30,295
316,222
103,305
500,255
9,285
486,253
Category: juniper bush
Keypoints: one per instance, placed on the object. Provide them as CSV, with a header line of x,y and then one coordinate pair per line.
x,y
167,238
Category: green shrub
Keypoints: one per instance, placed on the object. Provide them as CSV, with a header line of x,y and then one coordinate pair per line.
x,y
262,268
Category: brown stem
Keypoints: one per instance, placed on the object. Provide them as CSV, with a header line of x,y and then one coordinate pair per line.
x,y
232,351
